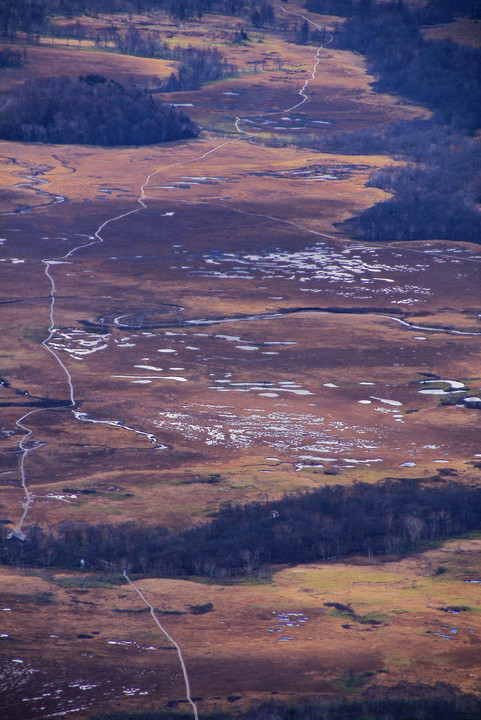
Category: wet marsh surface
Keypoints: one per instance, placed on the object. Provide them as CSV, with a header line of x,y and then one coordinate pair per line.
x,y
223,328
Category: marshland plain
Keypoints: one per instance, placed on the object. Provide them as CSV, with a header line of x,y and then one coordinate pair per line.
x,y
185,326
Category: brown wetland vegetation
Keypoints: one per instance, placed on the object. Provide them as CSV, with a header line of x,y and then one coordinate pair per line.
x,y
193,326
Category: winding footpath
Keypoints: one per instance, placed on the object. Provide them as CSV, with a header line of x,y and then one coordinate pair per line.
x,y
71,405
98,238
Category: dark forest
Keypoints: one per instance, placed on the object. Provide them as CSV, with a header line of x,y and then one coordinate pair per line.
x,y
437,198
88,110
406,701
391,517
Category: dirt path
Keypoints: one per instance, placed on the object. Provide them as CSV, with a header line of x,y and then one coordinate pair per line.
x,y
170,639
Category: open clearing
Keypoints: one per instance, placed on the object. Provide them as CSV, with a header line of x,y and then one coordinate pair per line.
x,y
223,327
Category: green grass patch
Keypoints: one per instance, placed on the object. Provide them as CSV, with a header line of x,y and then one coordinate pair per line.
x,y
452,398
85,581
43,598
346,611
96,510
228,582
351,682
213,479
372,618
36,334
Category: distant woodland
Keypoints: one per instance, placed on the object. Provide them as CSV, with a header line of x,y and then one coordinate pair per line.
x,y
88,110
443,75
391,517
435,196
439,196
34,16
406,701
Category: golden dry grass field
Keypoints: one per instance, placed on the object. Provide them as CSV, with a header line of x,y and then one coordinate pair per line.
x,y
224,326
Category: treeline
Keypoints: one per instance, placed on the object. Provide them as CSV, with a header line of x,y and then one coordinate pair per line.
x,y
196,66
439,197
262,14
440,74
430,13
329,523
34,16
88,110
28,16
303,34
343,8
428,203
133,42
435,198
415,139
405,701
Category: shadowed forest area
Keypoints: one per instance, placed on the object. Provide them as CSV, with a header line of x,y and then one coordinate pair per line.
x,y
439,196
330,523
434,198
89,110
403,702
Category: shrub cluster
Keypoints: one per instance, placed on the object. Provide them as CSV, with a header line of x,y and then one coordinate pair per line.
x,y
197,66
11,57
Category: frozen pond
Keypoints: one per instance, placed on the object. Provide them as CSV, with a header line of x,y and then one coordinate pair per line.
x,y
357,268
